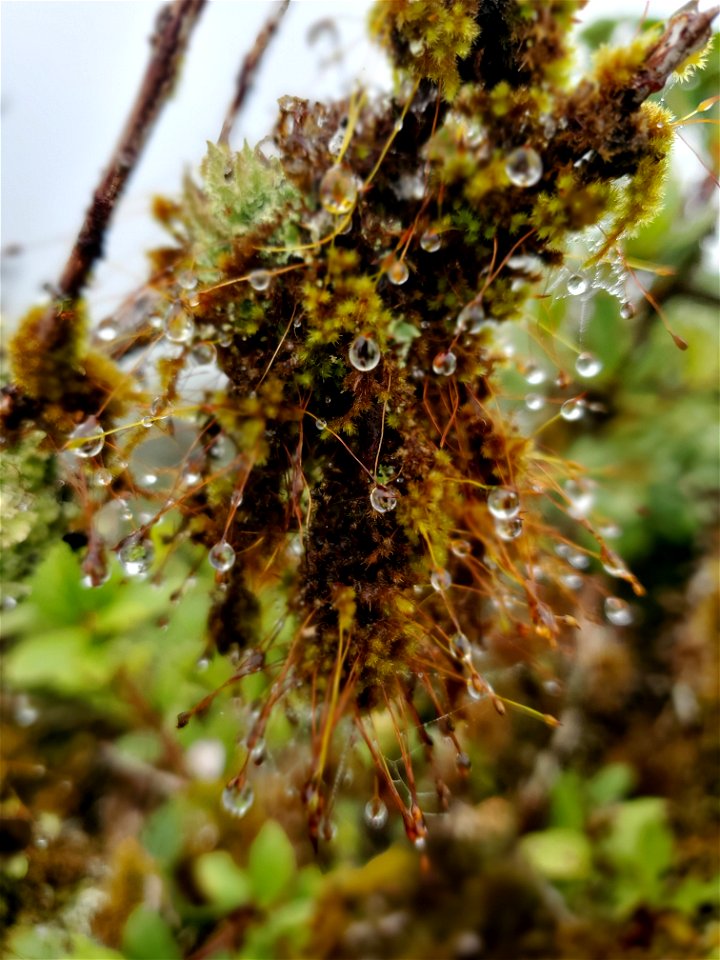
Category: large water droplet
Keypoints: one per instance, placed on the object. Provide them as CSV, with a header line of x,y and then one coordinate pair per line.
x,y
440,579
179,324
203,354
107,330
581,499
87,439
577,285
136,555
221,556
509,529
445,363
460,548
523,167
534,401
397,273
237,799
617,612
588,365
573,409
364,353
376,813
627,310
472,318
382,499
430,241
103,477
503,503
259,279
338,191
534,373
460,646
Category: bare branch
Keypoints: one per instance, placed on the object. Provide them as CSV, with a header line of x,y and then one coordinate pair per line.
x,y
169,42
249,69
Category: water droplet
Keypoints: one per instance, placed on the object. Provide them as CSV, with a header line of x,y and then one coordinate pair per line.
x,y
430,241
236,499
259,279
503,503
610,530
627,310
382,499
577,285
203,354
187,280
338,191
336,141
179,324
523,167
320,424
460,548
534,374
397,273
463,762
147,422
534,401
573,581
202,664
460,647
509,529
259,752
472,318
149,479
581,561
617,612
103,477
440,579
588,365
25,713
93,439
136,555
221,556
107,330
573,409
376,813
445,363
237,800
475,687
581,499
364,353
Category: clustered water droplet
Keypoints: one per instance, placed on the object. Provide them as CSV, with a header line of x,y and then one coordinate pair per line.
x,y
107,330
87,439
534,373
524,167
587,365
364,353
237,800
577,285
430,241
136,555
460,646
397,272
338,190
503,503
440,579
573,409
203,354
534,401
382,499
618,612
509,529
376,813
221,556
259,279
179,324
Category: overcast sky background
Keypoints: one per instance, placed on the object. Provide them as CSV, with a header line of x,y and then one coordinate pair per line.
x,y
70,71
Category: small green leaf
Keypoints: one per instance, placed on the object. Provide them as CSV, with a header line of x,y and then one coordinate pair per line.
x,y
559,853
221,880
272,863
610,784
147,937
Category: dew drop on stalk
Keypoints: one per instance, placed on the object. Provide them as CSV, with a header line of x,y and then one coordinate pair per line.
x,y
534,401
581,499
503,503
179,324
382,499
534,374
572,410
617,612
440,579
471,318
136,555
259,279
397,272
376,813
445,363
460,646
475,687
147,422
430,241
187,280
364,354
259,752
577,285
509,529
627,310
460,548
524,167
87,439
107,330
237,799
203,354
463,762
338,191
103,477
320,424
587,365
221,556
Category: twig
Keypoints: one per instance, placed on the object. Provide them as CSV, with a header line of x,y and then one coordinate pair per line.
x,y
169,42
249,68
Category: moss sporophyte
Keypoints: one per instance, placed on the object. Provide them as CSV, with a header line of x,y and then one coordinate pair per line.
x,y
324,341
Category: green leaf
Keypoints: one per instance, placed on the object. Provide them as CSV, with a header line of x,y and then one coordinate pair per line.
x,y
147,937
610,784
60,659
567,802
163,833
271,864
558,853
221,880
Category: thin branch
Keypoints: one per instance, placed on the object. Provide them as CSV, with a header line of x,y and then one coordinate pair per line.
x,y
169,43
249,68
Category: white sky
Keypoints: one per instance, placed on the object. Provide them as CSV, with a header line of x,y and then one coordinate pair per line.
x,y
69,74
